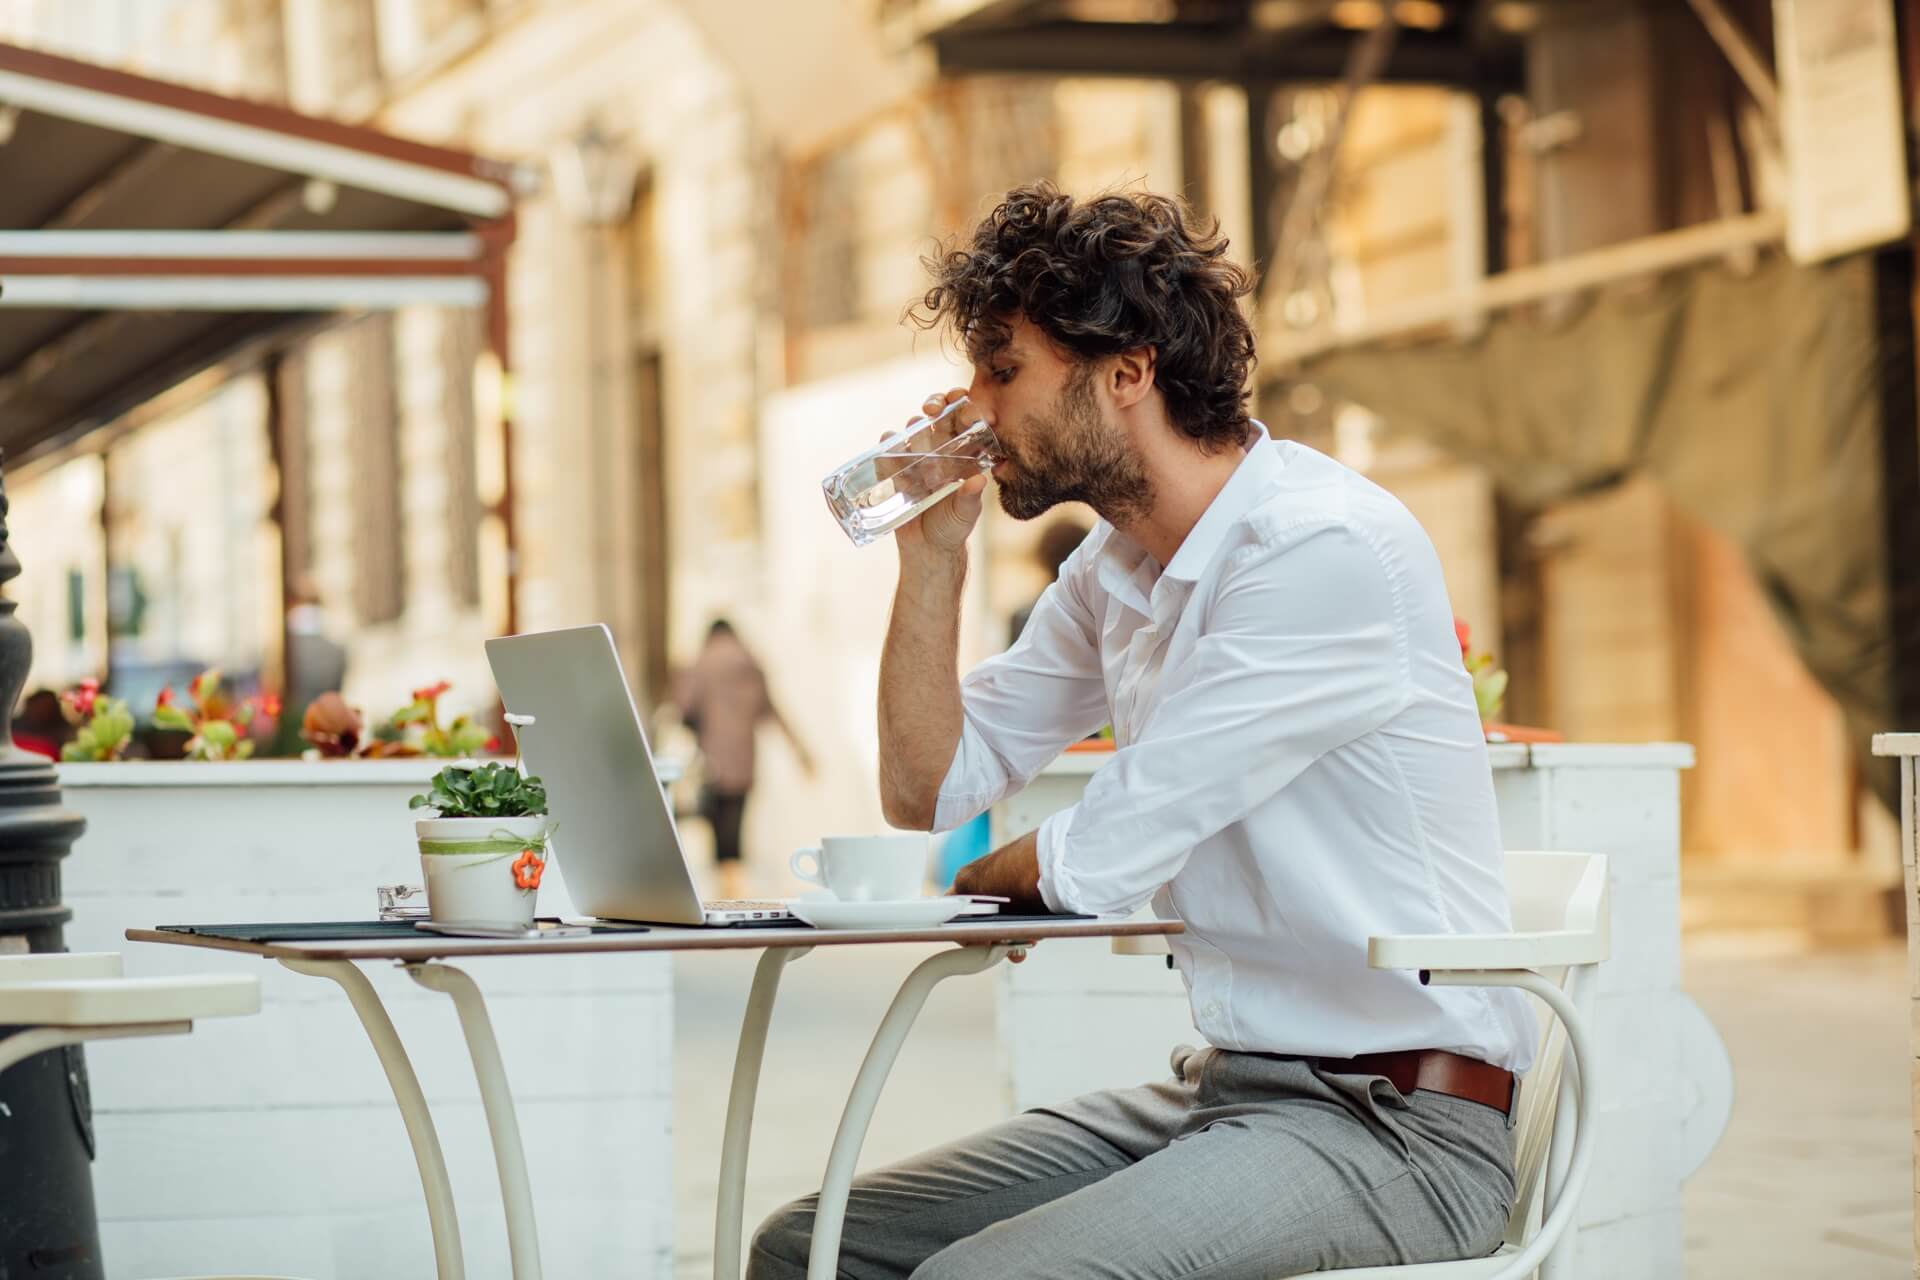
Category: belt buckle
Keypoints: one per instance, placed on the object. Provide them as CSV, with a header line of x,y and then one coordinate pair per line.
x,y
1513,1099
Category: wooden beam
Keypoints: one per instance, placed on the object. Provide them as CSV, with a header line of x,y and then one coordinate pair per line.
x,y
1171,52
1263,180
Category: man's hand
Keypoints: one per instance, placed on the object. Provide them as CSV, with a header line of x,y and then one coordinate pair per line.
x,y
1012,871
945,526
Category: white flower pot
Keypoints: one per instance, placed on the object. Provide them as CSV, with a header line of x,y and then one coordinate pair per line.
x,y
473,881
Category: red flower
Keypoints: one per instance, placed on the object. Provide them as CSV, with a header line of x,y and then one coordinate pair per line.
x,y
268,705
81,697
166,697
1460,632
527,869
432,691
491,744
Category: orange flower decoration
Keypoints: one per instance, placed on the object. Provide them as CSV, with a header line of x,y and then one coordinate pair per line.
x,y
527,869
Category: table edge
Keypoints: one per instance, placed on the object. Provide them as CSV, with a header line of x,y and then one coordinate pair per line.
x,y
664,940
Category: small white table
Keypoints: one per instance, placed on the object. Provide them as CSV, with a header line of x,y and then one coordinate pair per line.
x,y
1906,748
977,945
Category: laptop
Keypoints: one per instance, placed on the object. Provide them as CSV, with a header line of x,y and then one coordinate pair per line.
x,y
615,837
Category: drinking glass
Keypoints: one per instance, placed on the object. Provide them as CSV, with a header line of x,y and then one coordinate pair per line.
x,y
909,471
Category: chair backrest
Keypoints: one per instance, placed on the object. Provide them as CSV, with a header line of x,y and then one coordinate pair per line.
x,y
1547,892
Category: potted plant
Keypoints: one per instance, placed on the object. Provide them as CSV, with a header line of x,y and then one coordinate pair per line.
x,y
1490,692
484,851
103,725
219,724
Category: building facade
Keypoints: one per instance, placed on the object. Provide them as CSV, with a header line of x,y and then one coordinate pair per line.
x,y
706,317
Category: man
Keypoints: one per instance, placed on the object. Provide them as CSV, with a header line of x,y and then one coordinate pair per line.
x,y
1299,766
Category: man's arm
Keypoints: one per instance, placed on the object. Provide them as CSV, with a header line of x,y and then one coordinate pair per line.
x,y
1011,871
920,715
1304,652
920,712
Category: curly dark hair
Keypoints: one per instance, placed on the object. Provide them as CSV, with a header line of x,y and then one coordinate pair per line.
x,y
1113,273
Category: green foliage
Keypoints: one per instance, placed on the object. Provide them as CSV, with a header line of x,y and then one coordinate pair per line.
x,y
219,740
453,741
492,790
105,734
1489,686
171,717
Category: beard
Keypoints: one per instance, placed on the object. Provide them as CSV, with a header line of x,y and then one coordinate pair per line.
x,y
1069,454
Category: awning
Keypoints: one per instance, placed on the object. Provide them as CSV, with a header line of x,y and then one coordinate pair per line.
x,y
149,231
1770,404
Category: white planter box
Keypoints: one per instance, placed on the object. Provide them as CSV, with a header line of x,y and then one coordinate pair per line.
x,y
1076,1018
272,1144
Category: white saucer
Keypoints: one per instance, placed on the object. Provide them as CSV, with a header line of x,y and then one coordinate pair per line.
x,y
823,911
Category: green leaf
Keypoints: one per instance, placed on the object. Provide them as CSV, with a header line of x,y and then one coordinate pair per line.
x,y
219,733
171,718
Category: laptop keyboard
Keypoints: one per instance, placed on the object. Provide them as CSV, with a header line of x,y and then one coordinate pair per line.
x,y
743,904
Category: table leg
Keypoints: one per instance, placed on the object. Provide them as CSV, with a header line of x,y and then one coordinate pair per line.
x,y
523,1238
449,1264
830,1215
728,1221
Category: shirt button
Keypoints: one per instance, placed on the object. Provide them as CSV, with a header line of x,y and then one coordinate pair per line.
x,y
1210,1010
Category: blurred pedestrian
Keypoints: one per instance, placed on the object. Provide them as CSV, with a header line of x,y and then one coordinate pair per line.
x,y
316,663
723,698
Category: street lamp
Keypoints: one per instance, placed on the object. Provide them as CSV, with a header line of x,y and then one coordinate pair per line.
x,y
594,174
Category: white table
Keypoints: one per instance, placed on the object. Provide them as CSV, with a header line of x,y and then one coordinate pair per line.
x,y
977,945
298,840
1906,748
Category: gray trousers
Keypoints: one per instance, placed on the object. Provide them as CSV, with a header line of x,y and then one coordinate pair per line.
x,y
1242,1167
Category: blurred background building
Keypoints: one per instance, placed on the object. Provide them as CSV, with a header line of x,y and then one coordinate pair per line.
x,y
721,214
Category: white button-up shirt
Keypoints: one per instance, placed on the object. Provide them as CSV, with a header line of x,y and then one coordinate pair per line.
x,y
1299,762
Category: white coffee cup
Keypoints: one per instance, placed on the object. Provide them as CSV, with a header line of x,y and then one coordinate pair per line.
x,y
865,868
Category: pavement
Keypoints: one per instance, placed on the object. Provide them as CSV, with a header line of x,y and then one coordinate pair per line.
x,y
1814,1176
1812,1179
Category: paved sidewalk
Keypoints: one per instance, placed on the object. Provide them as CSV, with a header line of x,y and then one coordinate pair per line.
x,y
1811,1180
1814,1175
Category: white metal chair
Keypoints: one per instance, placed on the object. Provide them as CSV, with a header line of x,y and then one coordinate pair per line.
x,y
63,998
1560,936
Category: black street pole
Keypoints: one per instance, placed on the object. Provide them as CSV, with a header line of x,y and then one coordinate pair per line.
x,y
47,1222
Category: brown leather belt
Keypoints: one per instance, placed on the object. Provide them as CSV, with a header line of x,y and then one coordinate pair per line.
x,y
1435,1070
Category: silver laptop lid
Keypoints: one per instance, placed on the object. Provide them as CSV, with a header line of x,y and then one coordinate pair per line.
x,y
615,840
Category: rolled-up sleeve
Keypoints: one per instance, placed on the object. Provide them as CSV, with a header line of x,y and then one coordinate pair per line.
x,y
1303,651
1022,707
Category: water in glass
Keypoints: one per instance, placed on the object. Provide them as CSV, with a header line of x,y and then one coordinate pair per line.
x,y
903,475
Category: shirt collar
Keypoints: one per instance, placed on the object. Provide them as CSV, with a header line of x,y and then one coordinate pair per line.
x,y
1242,491
1120,572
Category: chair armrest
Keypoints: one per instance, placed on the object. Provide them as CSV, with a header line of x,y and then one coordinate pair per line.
x,y
1478,951
50,966
110,1002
